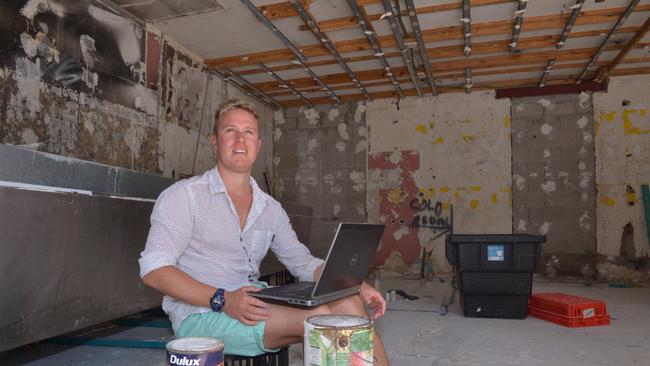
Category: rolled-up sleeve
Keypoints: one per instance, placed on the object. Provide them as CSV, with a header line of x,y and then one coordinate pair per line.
x,y
291,252
172,220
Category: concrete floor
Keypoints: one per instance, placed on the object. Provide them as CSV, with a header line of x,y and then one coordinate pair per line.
x,y
416,335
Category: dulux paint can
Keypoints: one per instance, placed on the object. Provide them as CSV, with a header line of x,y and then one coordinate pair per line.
x,y
338,340
195,351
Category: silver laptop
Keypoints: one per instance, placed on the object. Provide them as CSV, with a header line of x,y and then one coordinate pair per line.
x,y
346,266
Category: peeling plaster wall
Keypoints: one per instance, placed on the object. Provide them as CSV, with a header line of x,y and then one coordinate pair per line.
x,y
429,154
73,84
320,162
622,165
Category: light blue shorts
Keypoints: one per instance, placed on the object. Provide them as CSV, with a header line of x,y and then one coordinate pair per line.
x,y
239,339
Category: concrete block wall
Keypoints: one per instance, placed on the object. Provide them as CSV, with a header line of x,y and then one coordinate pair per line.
x,y
320,162
553,172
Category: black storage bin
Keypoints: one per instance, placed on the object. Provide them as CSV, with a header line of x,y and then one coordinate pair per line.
x,y
494,306
496,283
494,253
495,272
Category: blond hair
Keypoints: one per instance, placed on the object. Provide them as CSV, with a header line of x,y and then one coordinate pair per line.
x,y
231,104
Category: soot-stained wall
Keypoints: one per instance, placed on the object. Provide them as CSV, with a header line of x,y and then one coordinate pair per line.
x,y
80,80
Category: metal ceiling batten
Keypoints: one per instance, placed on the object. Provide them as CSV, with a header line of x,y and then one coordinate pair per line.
x,y
258,93
275,30
397,34
467,28
547,72
320,82
287,85
327,43
605,70
468,80
577,7
519,19
379,53
421,47
615,28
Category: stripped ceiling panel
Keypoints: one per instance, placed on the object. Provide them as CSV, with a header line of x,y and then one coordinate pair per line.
x,y
304,52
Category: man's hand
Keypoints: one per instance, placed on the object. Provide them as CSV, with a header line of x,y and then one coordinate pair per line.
x,y
245,308
373,299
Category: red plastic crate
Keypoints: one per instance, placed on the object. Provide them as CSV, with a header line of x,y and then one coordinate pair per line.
x,y
567,310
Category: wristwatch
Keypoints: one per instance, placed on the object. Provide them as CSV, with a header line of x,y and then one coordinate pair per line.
x,y
218,300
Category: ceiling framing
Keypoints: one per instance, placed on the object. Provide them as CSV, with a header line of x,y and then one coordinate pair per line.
x,y
309,52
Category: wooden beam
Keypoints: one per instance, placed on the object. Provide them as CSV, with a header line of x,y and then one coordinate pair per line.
x,y
605,70
430,35
350,22
281,10
550,90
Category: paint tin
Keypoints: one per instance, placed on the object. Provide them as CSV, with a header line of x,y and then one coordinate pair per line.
x,y
198,351
338,340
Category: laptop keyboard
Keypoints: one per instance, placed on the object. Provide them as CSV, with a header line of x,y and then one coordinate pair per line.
x,y
298,290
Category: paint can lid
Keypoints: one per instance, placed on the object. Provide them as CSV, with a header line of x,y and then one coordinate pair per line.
x,y
338,321
195,345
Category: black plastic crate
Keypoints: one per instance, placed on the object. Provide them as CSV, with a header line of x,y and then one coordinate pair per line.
x,y
494,253
494,306
496,283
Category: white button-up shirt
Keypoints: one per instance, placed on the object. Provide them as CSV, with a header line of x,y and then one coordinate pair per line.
x,y
195,227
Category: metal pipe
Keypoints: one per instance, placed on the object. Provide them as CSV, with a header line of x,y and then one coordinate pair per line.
x,y
283,82
259,94
468,80
467,28
320,82
619,23
327,43
379,53
519,19
423,51
402,46
569,23
301,56
547,72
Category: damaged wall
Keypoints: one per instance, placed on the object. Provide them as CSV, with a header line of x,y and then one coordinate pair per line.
x,y
74,84
553,177
429,154
320,162
622,166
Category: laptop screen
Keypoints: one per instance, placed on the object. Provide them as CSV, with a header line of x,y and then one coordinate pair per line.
x,y
349,258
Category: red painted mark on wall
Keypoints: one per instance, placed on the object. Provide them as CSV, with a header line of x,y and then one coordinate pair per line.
x,y
394,207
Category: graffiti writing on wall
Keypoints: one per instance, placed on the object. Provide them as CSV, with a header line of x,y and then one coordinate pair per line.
x,y
430,215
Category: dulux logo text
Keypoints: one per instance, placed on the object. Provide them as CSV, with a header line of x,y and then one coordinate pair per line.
x,y
174,360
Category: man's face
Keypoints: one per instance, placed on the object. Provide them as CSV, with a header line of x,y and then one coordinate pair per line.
x,y
237,141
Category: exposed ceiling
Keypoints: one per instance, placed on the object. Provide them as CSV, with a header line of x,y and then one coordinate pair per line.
x,y
340,62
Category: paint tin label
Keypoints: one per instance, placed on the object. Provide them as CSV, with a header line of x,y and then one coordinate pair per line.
x,y
495,253
195,351
337,340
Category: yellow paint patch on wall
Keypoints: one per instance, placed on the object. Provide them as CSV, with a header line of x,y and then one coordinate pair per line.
x,y
473,204
445,205
475,188
608,201
396,196
494,198
421,128
506,121
609,116
439,140
630,129
467,138
444,189
631,198
596,128
457,194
